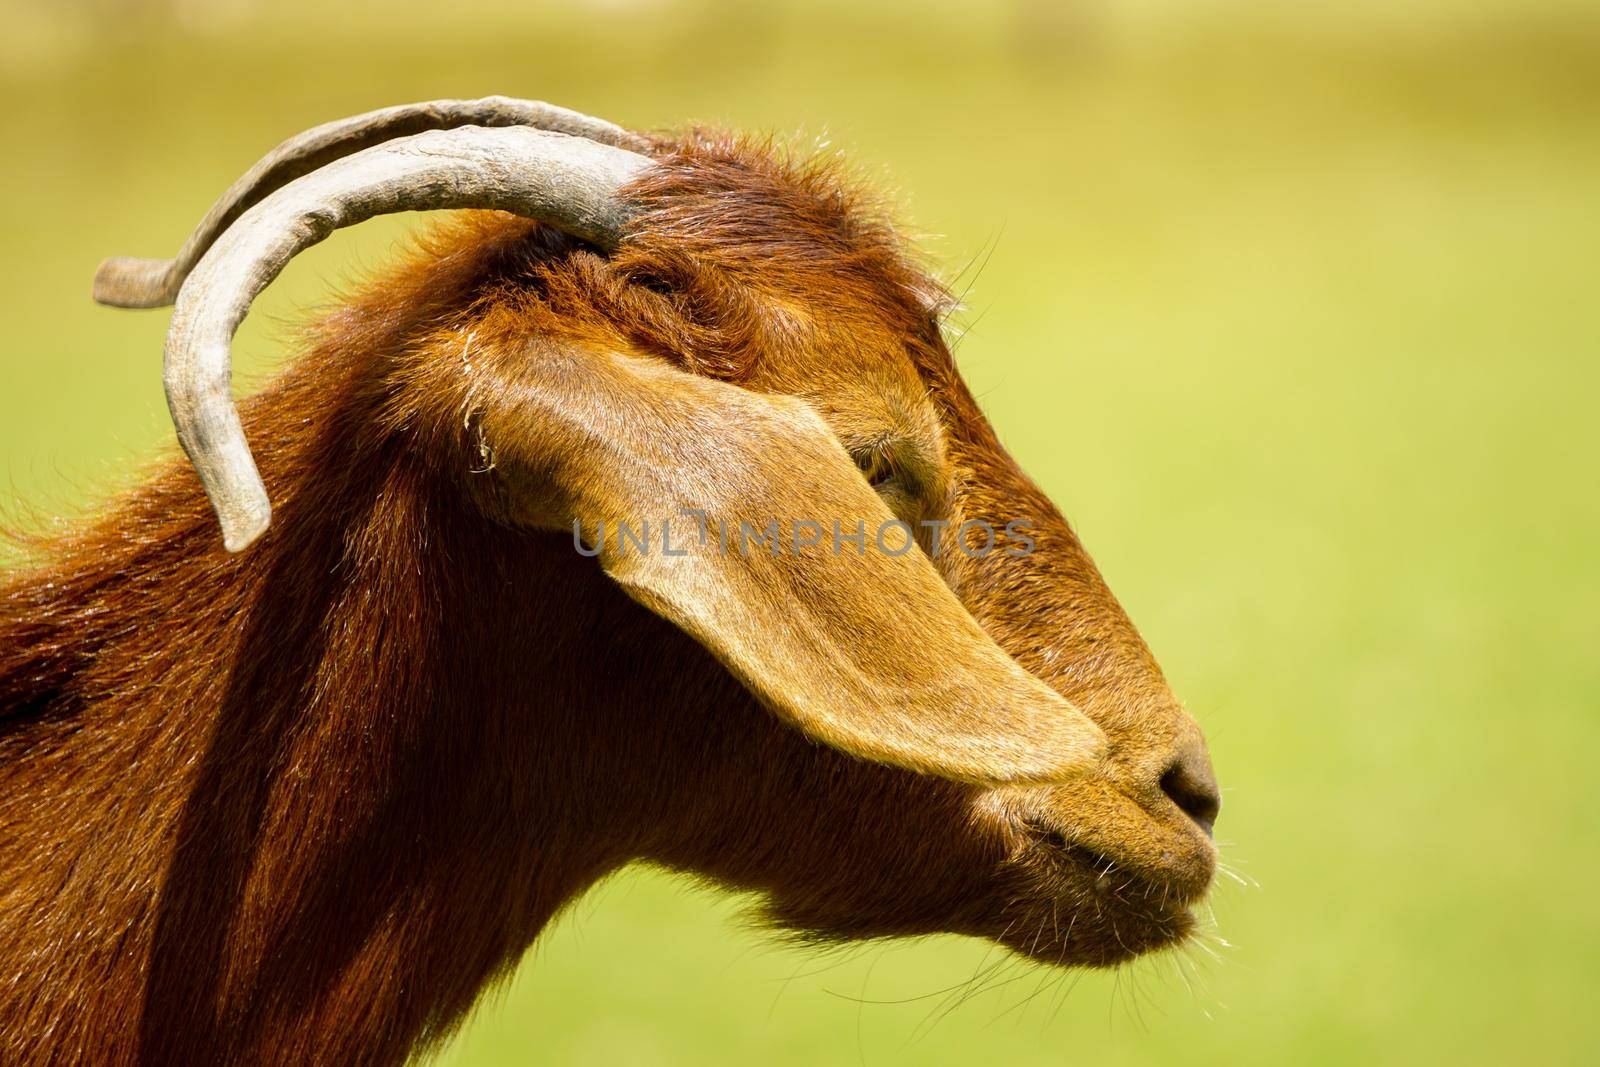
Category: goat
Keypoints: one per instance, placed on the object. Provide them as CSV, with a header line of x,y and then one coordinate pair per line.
x,y
302,801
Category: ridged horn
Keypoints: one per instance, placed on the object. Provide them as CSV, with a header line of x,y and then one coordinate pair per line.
x,y
567,181
132,282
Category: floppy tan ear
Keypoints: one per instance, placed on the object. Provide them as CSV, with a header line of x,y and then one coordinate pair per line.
x,y
866,651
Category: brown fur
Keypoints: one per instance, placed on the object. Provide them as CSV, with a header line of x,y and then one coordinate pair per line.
x,y
303,804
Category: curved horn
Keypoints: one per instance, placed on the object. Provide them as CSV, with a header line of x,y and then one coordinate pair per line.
x,y
131,282
569,182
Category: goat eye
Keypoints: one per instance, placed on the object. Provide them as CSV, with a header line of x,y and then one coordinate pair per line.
x,y
876,468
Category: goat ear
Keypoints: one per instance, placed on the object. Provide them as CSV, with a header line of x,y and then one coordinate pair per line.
x,y
861,648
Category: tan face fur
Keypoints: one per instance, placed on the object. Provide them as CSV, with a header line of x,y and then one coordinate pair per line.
x,y
1119,852
1100,857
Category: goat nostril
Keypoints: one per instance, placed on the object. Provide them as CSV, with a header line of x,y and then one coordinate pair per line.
x,y
1195,793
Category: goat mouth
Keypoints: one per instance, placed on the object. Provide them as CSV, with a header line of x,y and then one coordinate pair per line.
x,y
1079,907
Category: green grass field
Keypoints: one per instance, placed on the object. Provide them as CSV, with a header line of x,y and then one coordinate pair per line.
x,y
1295,314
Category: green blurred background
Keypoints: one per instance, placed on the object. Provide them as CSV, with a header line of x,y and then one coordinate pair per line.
x,y
1292,307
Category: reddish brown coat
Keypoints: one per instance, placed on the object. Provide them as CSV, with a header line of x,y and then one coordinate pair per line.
x,y
301,805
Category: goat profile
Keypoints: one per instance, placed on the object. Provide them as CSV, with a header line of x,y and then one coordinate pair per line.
x,y
640,515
